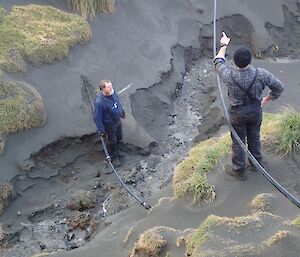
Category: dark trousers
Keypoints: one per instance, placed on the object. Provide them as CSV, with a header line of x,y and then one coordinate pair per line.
x,y
115,135
246,120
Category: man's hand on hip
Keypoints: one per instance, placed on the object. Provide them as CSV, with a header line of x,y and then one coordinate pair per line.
x,y
265,100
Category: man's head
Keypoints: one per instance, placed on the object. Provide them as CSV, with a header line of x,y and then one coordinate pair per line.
x,y
106,86
242,57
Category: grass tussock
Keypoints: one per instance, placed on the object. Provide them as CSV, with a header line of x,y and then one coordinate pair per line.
x,y
196,240
279,236
21,107
283,131
189,178
261,202
150,243
91,7
39,34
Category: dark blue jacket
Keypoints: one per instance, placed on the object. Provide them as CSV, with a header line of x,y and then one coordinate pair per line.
x,y
107,109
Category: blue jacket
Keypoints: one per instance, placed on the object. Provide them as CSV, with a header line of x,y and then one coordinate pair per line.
x,y
107,109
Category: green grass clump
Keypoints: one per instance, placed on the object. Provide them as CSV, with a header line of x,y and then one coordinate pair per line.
x,y
196,240
189,178
90,7
283,131
21,107
39,34
289,138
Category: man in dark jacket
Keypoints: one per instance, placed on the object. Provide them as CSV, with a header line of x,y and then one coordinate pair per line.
x,y
107,116
245,86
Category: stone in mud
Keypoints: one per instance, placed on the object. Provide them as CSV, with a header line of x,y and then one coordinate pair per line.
x,y
117,201
27,165
79,220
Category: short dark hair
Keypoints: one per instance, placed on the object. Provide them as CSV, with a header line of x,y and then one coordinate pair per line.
x,y
242,57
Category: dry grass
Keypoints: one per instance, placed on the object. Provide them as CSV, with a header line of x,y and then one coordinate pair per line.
x,y
180,241
39,34
129,233
296,222
150,243
21,107
262,202
280,235
91,7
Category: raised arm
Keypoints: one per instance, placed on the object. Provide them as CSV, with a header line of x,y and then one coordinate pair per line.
x,y
219,61
224,43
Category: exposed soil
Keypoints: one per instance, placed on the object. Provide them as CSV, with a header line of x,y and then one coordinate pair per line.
x,y
59,170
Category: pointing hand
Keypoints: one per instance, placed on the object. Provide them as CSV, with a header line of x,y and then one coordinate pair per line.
x,y
224,39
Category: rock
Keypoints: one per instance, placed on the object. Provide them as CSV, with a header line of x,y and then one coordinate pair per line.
x,y
43,172
26,235
27,165
117,201
80,220
24,184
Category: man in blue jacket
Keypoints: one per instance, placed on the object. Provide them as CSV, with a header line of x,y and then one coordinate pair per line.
x,y
107,116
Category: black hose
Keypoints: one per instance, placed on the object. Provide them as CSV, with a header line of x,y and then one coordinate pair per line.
x,y
260,168
86,84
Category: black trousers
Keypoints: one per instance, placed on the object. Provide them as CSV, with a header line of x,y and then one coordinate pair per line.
x,y
115,136
246,120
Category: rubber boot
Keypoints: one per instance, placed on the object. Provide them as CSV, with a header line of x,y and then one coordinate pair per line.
x,y
237,175
114,155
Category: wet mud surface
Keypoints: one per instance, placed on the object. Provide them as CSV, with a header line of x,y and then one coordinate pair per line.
x,y
63,168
